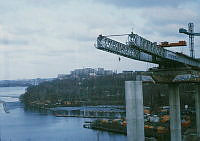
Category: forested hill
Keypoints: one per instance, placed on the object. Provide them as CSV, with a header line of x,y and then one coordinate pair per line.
x,y
102,90
99,90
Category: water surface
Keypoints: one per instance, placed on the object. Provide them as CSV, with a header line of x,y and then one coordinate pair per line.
x,y
22,125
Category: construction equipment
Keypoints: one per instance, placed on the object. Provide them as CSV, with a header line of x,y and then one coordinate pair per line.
x,y
191,34
167,44
139,48
171,64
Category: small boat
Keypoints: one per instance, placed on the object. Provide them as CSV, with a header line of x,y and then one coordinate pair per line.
x,y
87,125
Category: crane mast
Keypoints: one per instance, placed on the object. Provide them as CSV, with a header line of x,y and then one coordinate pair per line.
x,y
191,39
191,34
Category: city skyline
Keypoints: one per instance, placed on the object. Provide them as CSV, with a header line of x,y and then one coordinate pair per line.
x,y
44,38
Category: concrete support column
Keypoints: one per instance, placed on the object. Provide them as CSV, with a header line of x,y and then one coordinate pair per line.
x,y
197,108
134,110
175,117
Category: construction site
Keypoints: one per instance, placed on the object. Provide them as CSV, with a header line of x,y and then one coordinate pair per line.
x,y
173,69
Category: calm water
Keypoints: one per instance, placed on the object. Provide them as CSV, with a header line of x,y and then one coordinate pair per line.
x,y
20,125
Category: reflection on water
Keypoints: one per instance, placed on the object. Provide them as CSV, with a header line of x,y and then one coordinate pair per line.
x,y
1,108
20,125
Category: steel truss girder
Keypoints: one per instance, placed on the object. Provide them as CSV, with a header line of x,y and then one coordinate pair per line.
x,y
107,44
142,44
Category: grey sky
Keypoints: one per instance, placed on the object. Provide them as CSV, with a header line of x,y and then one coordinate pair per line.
x,y
42,38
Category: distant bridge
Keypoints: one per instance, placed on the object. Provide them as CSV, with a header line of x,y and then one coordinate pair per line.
x,y
2,110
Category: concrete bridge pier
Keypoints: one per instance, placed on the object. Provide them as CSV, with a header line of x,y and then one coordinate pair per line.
x,y
175,116
197,108
134,110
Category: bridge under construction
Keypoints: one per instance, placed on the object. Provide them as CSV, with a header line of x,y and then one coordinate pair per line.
x,y
170,65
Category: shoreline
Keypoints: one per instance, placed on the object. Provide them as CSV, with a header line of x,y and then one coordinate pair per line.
x,y
108,111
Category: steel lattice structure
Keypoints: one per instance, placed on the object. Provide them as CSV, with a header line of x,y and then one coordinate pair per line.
x,y
139,48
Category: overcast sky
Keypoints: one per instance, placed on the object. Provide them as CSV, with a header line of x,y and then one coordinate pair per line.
x,y
43,38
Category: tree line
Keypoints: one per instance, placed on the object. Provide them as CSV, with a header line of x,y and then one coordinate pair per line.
x,y
102,90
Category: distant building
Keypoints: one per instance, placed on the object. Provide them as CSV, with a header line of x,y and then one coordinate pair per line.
x,y
92,74
83,72
100,71
60,76
128,72
108,72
